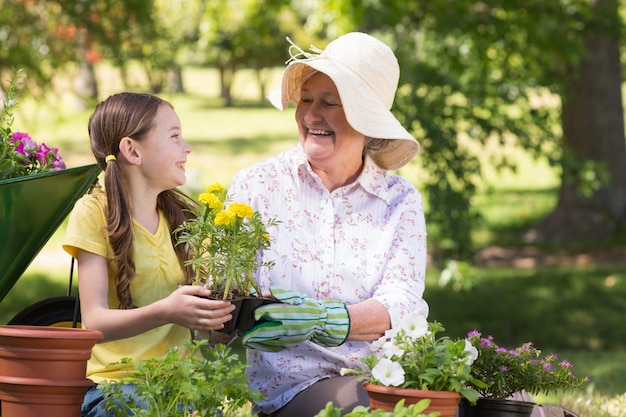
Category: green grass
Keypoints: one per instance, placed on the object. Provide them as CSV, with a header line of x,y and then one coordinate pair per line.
x,y
574,310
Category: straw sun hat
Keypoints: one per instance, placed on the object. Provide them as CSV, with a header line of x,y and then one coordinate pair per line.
x,y
366,74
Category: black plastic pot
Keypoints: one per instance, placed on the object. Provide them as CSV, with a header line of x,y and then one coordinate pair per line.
x,y
495,407
243,315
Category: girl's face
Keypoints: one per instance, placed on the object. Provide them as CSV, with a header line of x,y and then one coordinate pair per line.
x,y
327,137
164,151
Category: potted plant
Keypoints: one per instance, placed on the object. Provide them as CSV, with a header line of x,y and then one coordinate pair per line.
x,y
411,362
509,371
42,369
205,383
225,239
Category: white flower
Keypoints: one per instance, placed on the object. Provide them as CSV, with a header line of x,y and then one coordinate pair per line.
x,y
415,326
388,372
379,343
473,352
390,349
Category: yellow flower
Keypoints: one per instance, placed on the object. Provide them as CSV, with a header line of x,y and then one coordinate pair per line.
x,y
224,243
216,188
225,218
242,210
210,200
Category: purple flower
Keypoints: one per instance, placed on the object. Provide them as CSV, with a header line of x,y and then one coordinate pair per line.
x,y
486,343
474,333
57,163
506,371
527,347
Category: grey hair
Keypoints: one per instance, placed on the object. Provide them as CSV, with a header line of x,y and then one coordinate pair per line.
x,y
374,146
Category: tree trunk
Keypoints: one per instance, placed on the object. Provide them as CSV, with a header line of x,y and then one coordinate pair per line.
x,y
226,81
175,80
593,131
85,85
262,76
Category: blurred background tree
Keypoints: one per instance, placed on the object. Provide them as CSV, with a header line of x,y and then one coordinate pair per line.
x,y
542,76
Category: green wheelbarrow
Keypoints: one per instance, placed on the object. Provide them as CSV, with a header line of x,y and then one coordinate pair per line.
x,y
31,209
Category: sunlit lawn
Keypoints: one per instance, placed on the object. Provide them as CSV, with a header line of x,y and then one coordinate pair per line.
x,y
574,310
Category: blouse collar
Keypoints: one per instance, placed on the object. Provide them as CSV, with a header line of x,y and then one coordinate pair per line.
x,y
372,179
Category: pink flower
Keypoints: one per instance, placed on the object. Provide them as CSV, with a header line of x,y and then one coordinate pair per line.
x,y
25,145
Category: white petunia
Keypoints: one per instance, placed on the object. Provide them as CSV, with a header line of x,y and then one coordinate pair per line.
x,y
388,372
390,349
379,343
415,326
473,352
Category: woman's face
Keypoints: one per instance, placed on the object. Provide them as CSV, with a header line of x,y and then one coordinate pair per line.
x,y
328,140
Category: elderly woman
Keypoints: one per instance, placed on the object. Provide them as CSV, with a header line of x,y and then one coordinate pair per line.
x,y
350,251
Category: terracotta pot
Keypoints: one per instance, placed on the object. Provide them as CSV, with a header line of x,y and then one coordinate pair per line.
x,y
42,370
37,397
386,398
496,407
46,352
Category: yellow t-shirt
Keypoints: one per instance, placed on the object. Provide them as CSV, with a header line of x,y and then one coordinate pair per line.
x,y
158,273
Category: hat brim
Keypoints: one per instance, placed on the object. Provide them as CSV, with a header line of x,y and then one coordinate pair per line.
x,y
364,111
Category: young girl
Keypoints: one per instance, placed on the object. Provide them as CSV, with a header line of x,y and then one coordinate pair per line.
x,y
131,276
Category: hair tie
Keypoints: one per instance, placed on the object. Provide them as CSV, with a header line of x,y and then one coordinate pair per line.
x,y
110,158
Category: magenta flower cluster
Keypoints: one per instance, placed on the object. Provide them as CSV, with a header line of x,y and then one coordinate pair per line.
x,y
37,155
20,155
507,371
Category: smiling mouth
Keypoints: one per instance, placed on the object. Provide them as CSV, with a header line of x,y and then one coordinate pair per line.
x,y
319,132
180,165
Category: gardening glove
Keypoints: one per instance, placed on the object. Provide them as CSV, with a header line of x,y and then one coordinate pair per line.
x,y
297,319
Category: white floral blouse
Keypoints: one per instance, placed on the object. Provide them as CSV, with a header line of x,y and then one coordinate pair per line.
x,y
364,240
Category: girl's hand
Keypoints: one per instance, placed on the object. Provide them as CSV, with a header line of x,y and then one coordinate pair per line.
x,y
190,308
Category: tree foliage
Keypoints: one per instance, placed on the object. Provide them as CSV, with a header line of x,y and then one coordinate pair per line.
x,y
474,72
